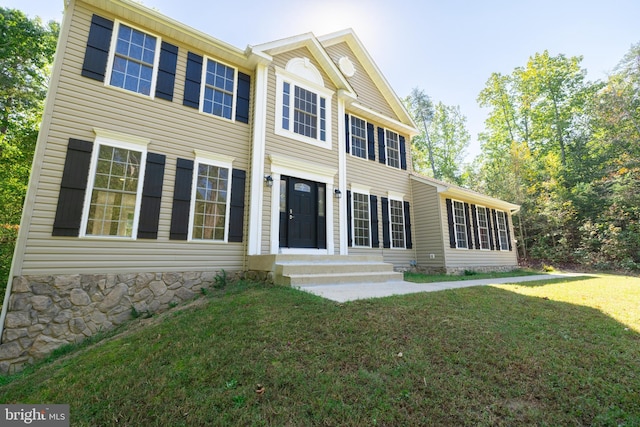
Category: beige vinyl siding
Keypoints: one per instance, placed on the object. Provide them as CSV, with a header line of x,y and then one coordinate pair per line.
x,y
82,104
469,258
381,179
283,146
363,85
426,227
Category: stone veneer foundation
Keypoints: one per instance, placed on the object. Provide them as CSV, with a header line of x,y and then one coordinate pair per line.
x,y
46,312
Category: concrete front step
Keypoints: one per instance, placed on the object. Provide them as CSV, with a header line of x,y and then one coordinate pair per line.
x,y
338,278
344,267
308,270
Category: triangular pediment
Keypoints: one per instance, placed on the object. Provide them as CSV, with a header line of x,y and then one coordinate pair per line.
x,y
352,71
304,68
373,91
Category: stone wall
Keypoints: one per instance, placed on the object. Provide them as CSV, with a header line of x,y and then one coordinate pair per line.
x,y
46,312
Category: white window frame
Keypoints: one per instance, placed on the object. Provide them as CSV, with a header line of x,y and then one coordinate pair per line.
x,y
112,54
126,142
397,198
364,192
283,76
388,150
487,213
464,224
502,229
221,161
366,136
203,86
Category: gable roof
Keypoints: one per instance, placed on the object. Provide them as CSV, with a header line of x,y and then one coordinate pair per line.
x,y
309,41
317,45
349,37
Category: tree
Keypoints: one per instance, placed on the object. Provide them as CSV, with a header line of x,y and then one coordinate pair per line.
x,y
535,148
439,149
26,53
421,108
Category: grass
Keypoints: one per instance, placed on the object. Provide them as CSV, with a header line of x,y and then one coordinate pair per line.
x,y
467,275
541,354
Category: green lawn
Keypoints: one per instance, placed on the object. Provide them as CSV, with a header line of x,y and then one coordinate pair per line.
x,y
564,352
468,275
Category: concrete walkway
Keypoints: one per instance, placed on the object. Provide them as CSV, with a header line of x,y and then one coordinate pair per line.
x,y
351,292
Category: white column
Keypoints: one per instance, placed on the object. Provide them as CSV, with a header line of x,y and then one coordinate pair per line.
x,y
342,179
257,161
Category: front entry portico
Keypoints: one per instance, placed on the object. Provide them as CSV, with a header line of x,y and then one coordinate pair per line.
x,y
303,207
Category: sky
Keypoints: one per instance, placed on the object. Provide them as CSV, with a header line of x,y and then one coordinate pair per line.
x,y
447,48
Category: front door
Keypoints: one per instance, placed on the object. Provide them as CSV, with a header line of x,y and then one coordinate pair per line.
x,y
302,222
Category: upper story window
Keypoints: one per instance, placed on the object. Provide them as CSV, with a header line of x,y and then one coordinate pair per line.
x,y
305,112
116,177
393,149
134,60
218,89
502,230
483,227
460,222
358,133
303,103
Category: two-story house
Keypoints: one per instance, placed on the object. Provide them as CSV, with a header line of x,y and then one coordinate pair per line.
x,y
166,156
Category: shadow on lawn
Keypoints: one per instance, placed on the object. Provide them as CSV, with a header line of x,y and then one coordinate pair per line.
x,y
551,281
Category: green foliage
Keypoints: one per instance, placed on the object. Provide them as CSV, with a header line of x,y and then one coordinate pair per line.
x,y
8,235
564,148
439,150
221,280
26,53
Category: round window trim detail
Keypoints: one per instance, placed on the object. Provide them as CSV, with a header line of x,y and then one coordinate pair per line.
x,y
346,66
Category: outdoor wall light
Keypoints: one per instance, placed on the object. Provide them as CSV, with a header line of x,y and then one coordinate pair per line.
x,y
268,180
337,193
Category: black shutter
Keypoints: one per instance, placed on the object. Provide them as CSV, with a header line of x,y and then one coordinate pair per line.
x,y
97,53
236,211
495,229
476,232
386,232
407,225
375,234
506,222
166,71
382,149
452,227
151,195
403,153
192,81
243,94
181,200
73,188
349,214
371,141
490,224
469,229
347,133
